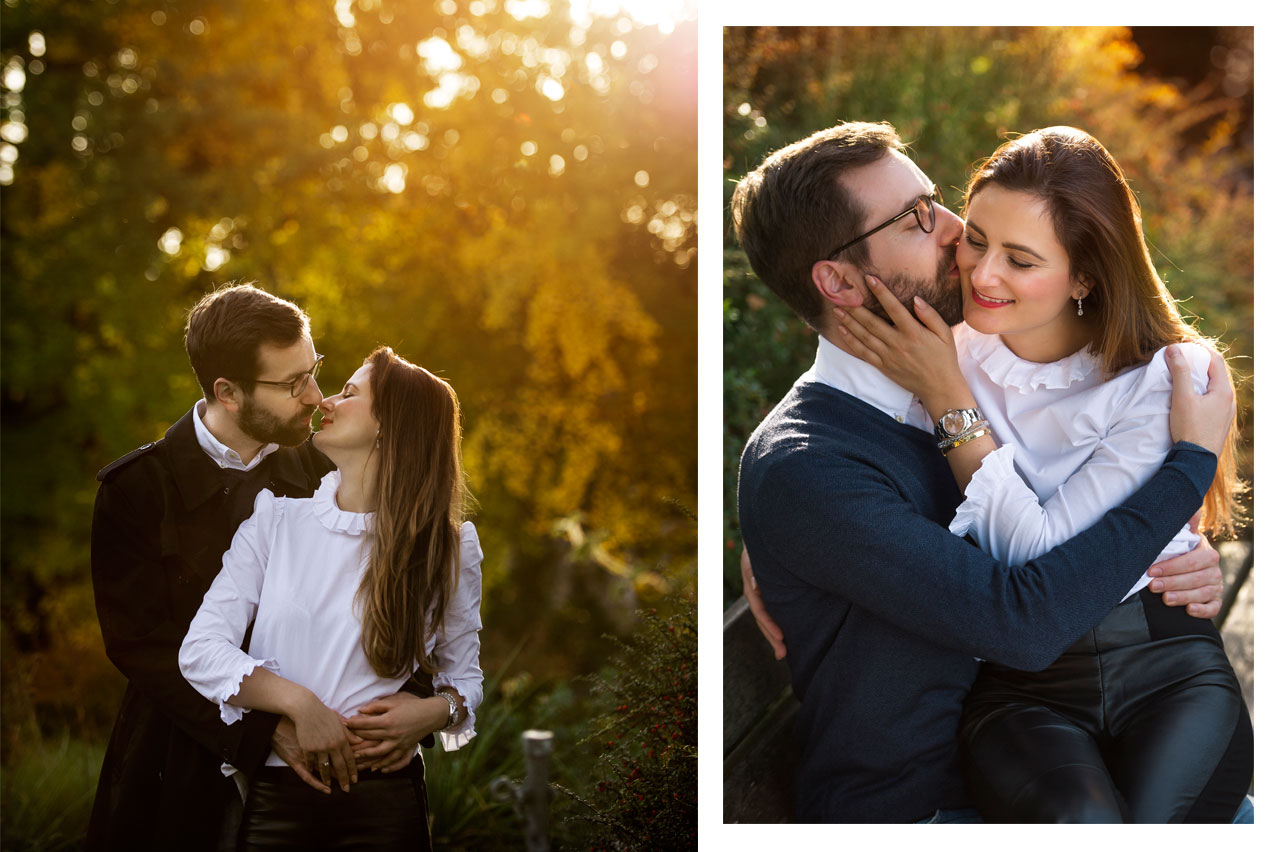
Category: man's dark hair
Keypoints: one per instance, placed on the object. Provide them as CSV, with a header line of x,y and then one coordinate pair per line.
x,y
226,328
792,210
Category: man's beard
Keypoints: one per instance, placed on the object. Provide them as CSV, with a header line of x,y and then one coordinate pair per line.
x,y
261,425
943,293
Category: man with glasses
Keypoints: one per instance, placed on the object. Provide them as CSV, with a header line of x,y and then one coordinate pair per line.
x,y
844,499
164,516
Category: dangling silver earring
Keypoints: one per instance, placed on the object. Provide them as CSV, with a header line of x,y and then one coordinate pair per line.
x,y
377,441
1079,307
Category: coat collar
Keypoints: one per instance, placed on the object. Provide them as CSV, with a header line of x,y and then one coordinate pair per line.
x,y
199,477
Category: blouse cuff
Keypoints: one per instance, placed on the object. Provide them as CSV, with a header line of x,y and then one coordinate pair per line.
x,y
465,731
232,713
996,469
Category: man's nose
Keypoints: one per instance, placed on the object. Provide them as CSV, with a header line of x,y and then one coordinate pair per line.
x,y
312,395
949,226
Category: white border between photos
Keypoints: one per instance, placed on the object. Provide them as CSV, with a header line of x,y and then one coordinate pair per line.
x,y
713,16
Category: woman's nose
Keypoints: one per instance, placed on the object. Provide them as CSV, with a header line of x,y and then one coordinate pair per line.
x,y
981,273
326,404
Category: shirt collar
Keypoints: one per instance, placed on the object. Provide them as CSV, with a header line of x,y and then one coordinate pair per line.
x,y
222,455
838,369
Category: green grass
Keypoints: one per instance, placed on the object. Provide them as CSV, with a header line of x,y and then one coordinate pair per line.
x,y
47,795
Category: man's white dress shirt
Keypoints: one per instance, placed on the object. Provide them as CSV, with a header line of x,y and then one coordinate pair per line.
x,y
224,456
838,369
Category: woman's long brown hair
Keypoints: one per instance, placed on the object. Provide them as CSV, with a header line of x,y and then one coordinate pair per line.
x,y
418,507
1097,219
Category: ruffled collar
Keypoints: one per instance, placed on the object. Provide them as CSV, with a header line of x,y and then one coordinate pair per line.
x,y
1004,368
325,503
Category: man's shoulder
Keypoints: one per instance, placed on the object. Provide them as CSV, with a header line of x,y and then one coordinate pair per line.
x,y
111,470
151,457
813,415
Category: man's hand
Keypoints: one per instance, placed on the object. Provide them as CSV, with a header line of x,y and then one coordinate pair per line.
x,y
1193,580
767,625
284,742
391,728
1202,419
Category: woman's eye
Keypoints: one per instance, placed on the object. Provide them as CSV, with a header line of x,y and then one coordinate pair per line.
x,y
1017,264
971,241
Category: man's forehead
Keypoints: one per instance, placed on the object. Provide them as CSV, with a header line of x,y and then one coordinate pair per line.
x,y
887,186
296,358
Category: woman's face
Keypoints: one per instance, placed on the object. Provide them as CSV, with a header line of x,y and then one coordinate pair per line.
x,y
347,422
1015,275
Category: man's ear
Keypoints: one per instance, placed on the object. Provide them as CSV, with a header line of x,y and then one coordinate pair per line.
x,y
840,283
228,394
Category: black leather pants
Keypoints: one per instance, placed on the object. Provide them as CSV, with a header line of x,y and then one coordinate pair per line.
x,y
381,812
1141,720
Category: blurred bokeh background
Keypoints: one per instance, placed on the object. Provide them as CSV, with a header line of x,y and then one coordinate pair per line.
x,y
1174,105
503,191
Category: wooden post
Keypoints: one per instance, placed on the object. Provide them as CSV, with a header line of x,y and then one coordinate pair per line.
x,y
536,794
532,797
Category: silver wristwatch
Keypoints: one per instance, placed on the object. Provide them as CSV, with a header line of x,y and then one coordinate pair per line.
x,y
955,422
453,709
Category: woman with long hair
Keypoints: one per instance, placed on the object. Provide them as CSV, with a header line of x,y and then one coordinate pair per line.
x,y
1052,401
349,591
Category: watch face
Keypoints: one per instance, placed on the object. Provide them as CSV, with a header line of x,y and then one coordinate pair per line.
x,y
953,422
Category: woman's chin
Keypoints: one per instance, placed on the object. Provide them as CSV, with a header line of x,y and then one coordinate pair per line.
x,y
973,316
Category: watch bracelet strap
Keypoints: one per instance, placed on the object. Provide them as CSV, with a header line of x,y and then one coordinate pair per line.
x,y
948,446
453,709
983,423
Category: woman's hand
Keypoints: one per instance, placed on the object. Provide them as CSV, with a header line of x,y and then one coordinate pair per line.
x,y
392,727
919,355
284,742
324,740
1202,419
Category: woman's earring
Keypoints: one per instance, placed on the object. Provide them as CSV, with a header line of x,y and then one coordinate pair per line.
x,y
1079,307
377,441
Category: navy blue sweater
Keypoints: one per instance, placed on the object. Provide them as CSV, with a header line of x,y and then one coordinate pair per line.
x,y
844,512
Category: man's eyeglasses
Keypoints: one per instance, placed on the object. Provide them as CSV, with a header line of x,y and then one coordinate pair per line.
x,y
298,386
925,215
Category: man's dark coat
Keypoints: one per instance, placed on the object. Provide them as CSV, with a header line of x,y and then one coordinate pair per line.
x,y
164,516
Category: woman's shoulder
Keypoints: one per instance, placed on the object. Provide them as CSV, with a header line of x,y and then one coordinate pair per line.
x,y
469,541
1153,375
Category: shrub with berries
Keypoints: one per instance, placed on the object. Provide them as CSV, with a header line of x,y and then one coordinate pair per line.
x,y
646,771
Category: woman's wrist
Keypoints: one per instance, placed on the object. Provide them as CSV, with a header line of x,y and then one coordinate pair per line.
x,y
297,701
938,404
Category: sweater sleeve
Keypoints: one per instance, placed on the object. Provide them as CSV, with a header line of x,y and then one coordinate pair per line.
x,y
852,534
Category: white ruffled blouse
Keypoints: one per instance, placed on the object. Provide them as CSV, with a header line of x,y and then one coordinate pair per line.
x,y
292,571
1073,445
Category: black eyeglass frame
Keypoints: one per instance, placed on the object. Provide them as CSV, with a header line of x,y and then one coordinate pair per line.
x,y
929,200
297,387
